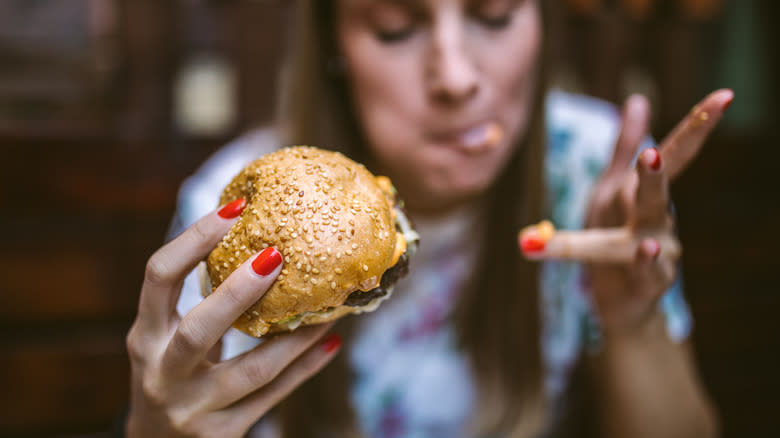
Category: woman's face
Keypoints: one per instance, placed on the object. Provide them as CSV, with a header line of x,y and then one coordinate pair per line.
x,y
442,89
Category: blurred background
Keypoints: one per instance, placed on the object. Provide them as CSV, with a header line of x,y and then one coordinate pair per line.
x,y
106,105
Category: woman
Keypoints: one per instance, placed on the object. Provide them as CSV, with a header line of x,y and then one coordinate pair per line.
x,y
448,98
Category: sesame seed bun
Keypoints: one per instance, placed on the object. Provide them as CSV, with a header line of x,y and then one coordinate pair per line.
x,y
332,220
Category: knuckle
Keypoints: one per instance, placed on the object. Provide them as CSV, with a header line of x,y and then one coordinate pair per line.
x,y
257,373
157,270
200,232
134,346
189,337
232,293
185,423
153,392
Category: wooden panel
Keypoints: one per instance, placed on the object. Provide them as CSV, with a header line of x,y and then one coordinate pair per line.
x,y
59,64
728,225
62,382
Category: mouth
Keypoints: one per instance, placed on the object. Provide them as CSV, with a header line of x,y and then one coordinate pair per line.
x,y
476,139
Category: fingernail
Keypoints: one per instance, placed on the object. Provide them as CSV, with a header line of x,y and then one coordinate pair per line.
x,y
655,161
727,104
331,343
532,243
653,248
232,209
266,261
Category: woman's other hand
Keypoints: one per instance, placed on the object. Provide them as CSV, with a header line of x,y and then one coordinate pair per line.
x,y
630,244
175,389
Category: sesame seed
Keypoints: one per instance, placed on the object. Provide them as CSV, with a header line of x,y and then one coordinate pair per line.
x,y
306,277
323,258
330,277
365,268
354,246
315,271
349,252
338,271
284,271
298,266
333,284
313,280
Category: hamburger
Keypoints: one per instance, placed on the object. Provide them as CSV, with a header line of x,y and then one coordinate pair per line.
x,y
342,231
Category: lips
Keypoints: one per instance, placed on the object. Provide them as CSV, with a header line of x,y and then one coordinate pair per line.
x,y
476,139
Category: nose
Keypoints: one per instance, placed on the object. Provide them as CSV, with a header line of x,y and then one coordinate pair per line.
x,y
452,75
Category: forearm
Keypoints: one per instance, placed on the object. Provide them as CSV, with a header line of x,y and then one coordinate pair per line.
x,y
647,387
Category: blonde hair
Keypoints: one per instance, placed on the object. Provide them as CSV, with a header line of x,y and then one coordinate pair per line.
x,y
497,317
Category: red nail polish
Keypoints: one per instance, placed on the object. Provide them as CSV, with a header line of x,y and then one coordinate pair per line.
x,y
727,104
232,209
656,249
266,261
331,343
652,248
531,243
655,164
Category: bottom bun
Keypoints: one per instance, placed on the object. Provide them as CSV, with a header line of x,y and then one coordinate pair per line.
x,y
257,327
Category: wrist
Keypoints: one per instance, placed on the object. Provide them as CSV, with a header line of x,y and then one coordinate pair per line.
x,y
650,327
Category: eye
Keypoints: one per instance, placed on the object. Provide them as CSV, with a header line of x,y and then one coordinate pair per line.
x,y
495,14
392,21
495,22
394,36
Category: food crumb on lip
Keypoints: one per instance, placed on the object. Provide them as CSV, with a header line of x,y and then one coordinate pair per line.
x,y
478,139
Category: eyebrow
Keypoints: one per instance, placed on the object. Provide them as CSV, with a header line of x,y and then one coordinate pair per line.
x,y
415,5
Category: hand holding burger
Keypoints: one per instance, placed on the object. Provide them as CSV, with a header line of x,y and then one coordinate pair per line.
x,y
341,230
309,236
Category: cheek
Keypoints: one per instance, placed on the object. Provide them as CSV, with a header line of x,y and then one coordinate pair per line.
x,y
385,90
516,70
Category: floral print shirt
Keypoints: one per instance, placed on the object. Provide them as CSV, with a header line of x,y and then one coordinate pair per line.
x,y
411,381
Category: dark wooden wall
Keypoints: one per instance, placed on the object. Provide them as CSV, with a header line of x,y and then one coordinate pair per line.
x,y
92,156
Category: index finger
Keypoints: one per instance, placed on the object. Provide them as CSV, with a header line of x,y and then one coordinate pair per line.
x,y
594,245
682,145
203,326
166,268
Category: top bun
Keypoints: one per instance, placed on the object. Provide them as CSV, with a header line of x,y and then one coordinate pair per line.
x,y
332,220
